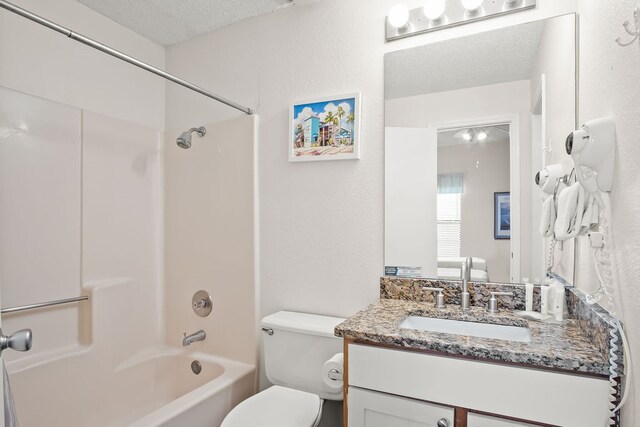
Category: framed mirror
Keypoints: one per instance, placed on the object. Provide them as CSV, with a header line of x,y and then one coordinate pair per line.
x,y
468,123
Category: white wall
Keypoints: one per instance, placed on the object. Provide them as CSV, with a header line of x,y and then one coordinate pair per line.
x,y
47,64
609,87
486,170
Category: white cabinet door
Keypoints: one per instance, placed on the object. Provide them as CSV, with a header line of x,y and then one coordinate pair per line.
x,y
373,409
477,420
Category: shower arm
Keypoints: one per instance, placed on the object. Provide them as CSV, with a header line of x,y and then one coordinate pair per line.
x,y
116,53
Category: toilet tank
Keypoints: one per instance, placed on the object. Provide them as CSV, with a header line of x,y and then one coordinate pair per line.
x,y
300,344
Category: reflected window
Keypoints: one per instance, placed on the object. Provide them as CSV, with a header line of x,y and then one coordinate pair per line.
x,y
450,188
449,224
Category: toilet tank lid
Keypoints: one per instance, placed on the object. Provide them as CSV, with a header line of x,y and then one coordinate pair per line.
x,y
305,323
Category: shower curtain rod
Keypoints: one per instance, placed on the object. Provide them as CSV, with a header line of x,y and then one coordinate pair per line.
x,y
116,53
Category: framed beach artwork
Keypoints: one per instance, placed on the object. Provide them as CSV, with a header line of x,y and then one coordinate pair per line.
x,y
325,129
502,215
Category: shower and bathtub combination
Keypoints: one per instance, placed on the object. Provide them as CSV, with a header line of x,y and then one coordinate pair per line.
x,y
94,210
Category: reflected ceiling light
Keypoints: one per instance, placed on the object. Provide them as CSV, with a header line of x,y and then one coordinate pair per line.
x,y
434,9
398,16
472,5
467,135
482,135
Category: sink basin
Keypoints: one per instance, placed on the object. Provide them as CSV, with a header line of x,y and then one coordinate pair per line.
x,y
473,329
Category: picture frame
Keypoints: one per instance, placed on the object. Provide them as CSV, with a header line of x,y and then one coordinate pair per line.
x,y
502,215
325,129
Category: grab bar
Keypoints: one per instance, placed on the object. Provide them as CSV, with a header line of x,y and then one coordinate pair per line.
x,y
43,304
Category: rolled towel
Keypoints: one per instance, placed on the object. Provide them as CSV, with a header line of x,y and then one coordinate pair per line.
x,y
570,210
548,217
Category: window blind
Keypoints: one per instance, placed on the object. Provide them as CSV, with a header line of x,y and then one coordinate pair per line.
x,y
449,224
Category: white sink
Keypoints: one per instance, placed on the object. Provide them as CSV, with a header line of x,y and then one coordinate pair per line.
x,y
473,329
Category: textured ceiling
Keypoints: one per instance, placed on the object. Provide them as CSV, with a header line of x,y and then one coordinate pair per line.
x,y
171,21
498,56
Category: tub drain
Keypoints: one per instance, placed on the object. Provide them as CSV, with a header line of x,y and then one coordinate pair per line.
x,y
196,367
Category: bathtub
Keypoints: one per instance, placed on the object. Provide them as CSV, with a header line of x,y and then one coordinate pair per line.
x,y
155,387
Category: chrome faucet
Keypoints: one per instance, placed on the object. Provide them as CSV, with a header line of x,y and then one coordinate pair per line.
x,y
196,336
466,277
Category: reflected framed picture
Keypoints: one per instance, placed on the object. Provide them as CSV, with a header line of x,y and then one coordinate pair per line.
x,y
325,129
502,215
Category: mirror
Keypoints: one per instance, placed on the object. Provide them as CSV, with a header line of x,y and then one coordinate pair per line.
x,y
468,123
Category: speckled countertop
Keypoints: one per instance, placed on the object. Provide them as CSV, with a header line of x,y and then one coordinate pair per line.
x,y
561,346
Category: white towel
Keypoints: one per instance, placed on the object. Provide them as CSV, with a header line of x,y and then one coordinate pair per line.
x,y
570,210
548,218
591,215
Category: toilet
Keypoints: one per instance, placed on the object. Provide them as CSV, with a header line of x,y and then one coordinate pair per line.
x,y
296,346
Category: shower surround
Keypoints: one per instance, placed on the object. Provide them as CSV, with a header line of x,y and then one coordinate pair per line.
x,y
95,205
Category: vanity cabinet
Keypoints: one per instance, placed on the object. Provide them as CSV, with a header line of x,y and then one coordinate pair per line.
x,y
374,409
387,386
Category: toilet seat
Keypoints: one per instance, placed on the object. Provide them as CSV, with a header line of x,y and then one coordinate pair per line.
x,y
276,407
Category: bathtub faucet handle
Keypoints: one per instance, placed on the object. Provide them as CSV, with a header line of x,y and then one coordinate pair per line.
x,y
201,303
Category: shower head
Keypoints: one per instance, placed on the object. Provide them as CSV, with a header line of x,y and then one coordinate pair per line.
x,y
184,140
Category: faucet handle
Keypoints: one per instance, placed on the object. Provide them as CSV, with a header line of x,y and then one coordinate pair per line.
x,y
492,305
439,300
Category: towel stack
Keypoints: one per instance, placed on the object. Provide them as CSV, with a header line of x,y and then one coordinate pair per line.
x,y
577,212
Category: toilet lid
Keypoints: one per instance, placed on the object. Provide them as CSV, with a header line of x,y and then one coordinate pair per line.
x,y
275,407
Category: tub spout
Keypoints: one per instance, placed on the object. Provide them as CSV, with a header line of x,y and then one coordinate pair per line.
x,y
196,336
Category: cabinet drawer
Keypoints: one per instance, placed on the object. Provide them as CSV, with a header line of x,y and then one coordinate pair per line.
x,y
529,394
373,409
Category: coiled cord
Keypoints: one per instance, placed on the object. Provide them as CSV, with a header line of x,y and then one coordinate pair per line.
x,y
551,254
602,262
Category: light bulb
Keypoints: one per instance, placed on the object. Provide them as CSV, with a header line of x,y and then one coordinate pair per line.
x,y
482,135
467,136
398,16
434,9
472,4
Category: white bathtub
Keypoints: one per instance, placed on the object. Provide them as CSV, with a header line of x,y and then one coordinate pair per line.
x,y
153,388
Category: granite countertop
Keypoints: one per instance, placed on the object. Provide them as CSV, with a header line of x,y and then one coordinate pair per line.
x,y
561,346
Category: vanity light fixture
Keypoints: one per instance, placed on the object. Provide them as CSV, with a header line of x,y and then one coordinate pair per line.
x,y
434,9
472,5
398,16
481,135
403,22
467,135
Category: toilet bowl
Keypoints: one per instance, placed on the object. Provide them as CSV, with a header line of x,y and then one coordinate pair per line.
x,y
296,346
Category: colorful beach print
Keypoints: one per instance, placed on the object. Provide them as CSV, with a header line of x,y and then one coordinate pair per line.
x,y
325,129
